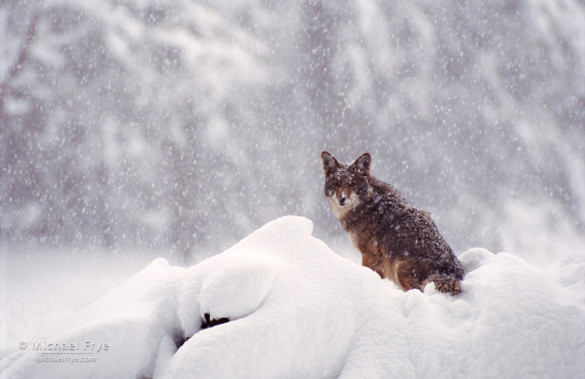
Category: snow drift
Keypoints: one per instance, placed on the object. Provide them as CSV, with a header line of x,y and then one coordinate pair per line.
x,y
296,309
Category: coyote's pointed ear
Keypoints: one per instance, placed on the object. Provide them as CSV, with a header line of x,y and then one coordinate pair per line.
x,y
330,164
362,164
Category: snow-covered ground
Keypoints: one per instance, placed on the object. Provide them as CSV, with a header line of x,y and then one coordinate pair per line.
x,y
39,287
296,309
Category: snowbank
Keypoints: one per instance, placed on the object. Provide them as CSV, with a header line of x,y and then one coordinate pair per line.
x,y
296,309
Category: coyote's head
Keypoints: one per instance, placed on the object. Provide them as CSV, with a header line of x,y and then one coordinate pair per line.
x,y
346,185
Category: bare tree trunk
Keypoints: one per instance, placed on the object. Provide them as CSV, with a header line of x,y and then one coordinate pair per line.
x,y
20,60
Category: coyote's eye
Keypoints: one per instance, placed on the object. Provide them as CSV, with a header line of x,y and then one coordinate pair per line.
x,y
353,184
336,184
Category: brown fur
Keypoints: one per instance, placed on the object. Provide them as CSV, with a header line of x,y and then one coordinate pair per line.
x,y
396,240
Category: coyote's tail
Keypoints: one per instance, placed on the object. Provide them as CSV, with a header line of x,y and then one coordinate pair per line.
x,y
444,283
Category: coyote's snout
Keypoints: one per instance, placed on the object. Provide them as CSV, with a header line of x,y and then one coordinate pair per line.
x,y
396,240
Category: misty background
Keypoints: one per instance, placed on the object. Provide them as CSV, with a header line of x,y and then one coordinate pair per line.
x,y
183,125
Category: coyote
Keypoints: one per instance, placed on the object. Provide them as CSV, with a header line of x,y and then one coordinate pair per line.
x,y
396,240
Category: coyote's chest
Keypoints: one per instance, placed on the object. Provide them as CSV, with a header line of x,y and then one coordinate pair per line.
x,y
372,256
353,238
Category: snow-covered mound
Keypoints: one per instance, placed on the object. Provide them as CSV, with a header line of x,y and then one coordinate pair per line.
x,y
296,309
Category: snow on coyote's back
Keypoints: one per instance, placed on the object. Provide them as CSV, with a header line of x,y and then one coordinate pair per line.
x,y
298,310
